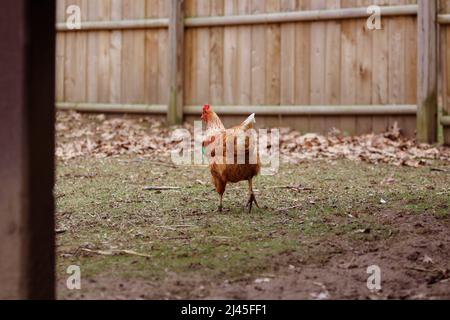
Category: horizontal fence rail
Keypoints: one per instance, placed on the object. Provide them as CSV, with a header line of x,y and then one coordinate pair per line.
x,y
445,121
315,110
117,25
360,110
299,16
111,107
233,20
443,19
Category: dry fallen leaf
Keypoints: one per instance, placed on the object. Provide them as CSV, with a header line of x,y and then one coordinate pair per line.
x,y
388,180
262,280
81,135
427,260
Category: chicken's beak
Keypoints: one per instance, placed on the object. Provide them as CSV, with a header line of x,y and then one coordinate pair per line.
x,y
203,117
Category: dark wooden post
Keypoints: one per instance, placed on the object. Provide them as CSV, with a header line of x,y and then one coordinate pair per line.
x,y
443,8
427,71
27,57
176,62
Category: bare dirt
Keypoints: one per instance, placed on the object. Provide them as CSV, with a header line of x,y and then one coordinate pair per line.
x,y
415,264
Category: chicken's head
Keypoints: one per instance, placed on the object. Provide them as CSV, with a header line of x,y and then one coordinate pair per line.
x,y
206,112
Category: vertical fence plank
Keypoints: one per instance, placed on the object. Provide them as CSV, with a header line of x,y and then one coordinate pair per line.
x,y
273,38
348,67
288,57
244,56
230,75
75,60
302,67
99,53
104,64
258,57
133,55
272,64
318,56
396,92
380,72
163,55
332,65
190,81
60,51
410,77
93,14
396,58
364,70
427,72
176,62
318,45
80,66
216,48
203,55
151,56
115,55
410,58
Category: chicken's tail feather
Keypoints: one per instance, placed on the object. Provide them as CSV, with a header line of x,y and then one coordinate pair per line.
x,y
248,124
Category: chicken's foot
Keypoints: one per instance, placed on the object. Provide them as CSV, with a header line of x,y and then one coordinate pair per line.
x,y
251,201
252,198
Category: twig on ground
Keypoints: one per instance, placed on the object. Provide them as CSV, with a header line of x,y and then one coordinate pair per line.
x,y
289,208
115,252
162,163
175,227
91,215
420,269
440,170
99,252
162,188
296,188
133,253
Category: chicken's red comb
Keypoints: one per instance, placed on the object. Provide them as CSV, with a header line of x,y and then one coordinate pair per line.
x,y
206,107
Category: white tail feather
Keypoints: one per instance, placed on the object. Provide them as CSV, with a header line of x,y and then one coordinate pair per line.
x,y
250,121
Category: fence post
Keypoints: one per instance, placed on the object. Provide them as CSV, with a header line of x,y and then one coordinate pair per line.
x,y
427,71
176,62
27,88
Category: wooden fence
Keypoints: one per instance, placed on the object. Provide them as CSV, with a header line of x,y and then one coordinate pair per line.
x,y
309,64
444,68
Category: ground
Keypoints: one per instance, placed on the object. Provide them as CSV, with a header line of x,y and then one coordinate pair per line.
x,y
320,225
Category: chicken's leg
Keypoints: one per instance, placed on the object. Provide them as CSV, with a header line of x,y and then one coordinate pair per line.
x,y
220,203
220,188
252,198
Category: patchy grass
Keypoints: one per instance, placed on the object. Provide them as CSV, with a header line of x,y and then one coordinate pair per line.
x,y
102,206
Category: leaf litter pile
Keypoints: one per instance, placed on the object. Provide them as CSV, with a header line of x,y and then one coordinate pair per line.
x,y
87,135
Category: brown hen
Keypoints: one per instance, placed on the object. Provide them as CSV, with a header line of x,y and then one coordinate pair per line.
x,y
232,154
